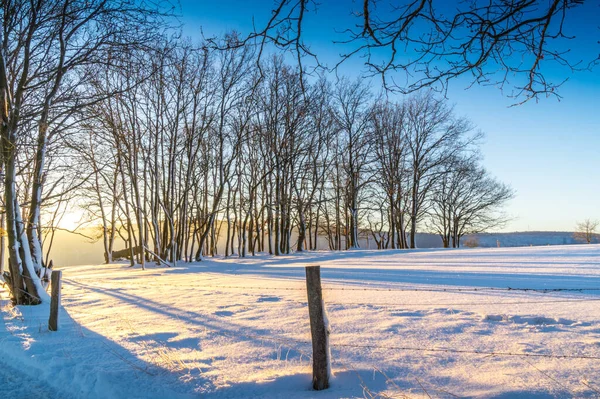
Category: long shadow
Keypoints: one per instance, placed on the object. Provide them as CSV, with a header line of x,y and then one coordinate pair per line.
x,y
295,258
451,256
193,318
371,383
374,275
345,384
76,362
295,384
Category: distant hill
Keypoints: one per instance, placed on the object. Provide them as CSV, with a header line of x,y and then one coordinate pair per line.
x,y
527,238
513,239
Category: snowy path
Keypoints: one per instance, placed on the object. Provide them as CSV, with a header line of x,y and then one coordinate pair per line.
x,y
238,328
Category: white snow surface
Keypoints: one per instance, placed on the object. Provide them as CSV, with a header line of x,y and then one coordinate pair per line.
x,y
239,328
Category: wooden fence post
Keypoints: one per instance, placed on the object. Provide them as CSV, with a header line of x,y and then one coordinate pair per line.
x,y
318,329
55,278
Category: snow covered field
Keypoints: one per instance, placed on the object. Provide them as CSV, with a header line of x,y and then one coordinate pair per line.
x,y
404,324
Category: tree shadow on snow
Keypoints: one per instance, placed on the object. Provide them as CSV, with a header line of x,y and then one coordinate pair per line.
x,y
529,395
76,362
345,383
404,267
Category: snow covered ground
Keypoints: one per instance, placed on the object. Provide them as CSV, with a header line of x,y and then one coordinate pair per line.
x,y
404,324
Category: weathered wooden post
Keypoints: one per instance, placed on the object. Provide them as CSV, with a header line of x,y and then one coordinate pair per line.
x,y
318,328
55,278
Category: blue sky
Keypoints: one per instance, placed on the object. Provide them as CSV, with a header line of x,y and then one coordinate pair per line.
x,y
548,151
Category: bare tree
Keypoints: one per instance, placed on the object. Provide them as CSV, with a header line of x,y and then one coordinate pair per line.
x,y
586,230
234,86
466,200
434,136
390,126
352,113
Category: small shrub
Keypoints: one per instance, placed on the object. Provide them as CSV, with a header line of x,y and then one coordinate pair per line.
x,y
472,242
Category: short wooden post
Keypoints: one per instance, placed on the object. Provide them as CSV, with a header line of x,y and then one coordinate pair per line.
x,y
55,278
318,329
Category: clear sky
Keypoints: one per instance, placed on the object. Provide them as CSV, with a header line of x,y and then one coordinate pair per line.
x,y
548,151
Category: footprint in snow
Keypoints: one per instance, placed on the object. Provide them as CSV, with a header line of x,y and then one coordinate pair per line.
x,y
531,320
224,313
269,299
407,314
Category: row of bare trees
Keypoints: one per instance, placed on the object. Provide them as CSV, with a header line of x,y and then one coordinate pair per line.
x,y
184,151
205,151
